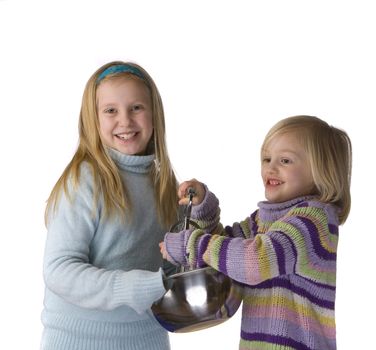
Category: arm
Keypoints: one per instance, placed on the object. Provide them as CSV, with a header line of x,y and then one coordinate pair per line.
x,y
206,213
299,243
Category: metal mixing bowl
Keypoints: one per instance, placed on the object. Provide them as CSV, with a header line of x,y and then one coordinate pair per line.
x,y
195,300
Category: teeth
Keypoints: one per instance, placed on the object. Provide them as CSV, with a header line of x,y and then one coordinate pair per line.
x,y
275,182
126,136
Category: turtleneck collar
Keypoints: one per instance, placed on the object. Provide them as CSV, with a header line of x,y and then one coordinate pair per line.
x,y
134,164
273,211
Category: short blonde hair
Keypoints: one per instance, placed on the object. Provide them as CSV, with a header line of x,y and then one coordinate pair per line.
x,y
105,172
329,151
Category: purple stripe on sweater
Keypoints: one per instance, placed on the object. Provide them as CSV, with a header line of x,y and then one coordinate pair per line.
x,y
274,339
254,226
319,285
333,229
202,246
280,256
315,238
287,284
295,327
223,256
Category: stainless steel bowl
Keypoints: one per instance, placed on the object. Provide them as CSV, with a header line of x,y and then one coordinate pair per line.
x,y
195,300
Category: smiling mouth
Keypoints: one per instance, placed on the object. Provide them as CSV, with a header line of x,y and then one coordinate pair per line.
x,y
273,182
127,136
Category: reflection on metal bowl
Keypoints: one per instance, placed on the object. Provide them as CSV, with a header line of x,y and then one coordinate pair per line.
x,y
195,300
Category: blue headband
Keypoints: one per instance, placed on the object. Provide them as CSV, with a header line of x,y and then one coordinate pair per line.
x,y
120,68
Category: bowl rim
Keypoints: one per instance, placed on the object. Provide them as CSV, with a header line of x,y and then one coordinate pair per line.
x,y
191,272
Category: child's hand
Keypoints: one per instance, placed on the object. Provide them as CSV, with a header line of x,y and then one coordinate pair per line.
x,y
163,250
183,192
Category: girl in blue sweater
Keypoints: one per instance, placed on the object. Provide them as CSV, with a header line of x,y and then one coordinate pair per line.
x,y
105,217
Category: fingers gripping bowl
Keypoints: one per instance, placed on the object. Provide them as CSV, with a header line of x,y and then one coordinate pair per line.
x,y
196,299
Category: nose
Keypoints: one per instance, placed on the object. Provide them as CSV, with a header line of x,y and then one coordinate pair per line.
x,y
271,167
125,118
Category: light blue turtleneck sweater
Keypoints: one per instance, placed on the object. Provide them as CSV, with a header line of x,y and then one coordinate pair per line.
x,y
102,275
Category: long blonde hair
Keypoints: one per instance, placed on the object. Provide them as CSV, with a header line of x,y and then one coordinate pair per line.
x,y
329,151
105,173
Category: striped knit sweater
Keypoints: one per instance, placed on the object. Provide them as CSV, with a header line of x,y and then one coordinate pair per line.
x,y
284,256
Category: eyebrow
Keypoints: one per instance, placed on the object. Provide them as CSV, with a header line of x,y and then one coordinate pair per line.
x,y
264,150
288,151
104,105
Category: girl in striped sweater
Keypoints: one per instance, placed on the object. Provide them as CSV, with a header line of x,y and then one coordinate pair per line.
x,y
284,254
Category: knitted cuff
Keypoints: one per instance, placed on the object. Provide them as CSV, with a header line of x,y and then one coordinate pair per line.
x,y
175,244
206,214
207,207
138,288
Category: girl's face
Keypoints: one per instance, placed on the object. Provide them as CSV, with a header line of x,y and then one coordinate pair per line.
x,y
285,169
125,115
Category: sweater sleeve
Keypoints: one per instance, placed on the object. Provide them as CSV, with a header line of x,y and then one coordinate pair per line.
x,y
302,242
68,271
206,217
207,213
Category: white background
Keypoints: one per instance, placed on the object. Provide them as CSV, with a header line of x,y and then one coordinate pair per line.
x,y
227,71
